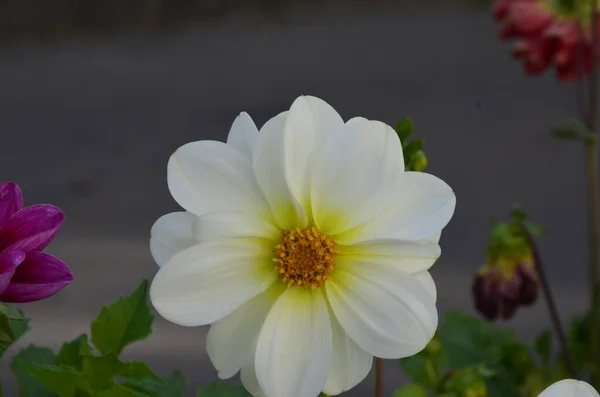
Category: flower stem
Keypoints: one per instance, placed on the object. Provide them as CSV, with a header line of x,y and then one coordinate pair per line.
x,y
593,197
378,377
554,317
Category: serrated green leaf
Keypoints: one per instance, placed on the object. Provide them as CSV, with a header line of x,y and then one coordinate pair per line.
x,y
71,354
221,389
404,129
173,385
413,390
543,346
123,322
119,391
100,371
63,381
28,386
13,325
136,370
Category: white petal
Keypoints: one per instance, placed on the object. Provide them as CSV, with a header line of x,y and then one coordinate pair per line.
x,y
243,134
350,364
171,234
250,381
210,176
230,340
427,281
209,281
351,169
226,225
293,353
285,155
386,312
269,168
417,206
356,120
407,256
570,388
310,122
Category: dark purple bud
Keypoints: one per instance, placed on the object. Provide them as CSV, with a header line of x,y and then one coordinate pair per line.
x,y
485,295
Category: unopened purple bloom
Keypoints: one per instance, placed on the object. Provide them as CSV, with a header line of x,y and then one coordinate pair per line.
x,y
500,289
27,274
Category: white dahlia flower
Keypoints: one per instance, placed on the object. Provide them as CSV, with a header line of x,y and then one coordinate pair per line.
x,y
569,388
305,245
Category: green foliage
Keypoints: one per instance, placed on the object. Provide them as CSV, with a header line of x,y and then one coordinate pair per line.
x,y
573,130
414,158
71,354
79,370
13,325
36,356
221,389
426,368
123,322
470,357
412,390
543,346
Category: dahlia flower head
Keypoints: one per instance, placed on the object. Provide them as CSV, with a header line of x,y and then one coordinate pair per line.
x,y
570,388
305,246
26,273
549,34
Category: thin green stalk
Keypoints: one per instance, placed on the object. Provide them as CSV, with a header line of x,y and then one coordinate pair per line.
x,y
593,197
559,330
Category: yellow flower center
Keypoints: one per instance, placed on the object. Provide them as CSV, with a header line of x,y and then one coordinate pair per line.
x,y
305,257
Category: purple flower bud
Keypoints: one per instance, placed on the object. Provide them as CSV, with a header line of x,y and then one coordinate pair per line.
x,y
27,274
498,292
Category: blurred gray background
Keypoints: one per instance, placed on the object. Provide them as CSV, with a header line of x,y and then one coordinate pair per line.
x,y
89,120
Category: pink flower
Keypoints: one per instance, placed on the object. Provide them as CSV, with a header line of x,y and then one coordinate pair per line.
x,y
26,273
547,35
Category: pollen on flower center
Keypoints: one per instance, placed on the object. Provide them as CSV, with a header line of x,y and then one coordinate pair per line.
x,y
305,257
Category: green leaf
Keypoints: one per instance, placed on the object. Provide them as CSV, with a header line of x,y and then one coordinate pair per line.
x,y
13,325
543,346
426,367
414,146
71,354
404,129
573,130
100,371
35,355
173,385
221,389
136,370
123,322
413,390
63,381
578,338
119,391
470,341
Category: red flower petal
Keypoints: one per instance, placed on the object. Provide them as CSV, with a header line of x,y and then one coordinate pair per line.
x,y
528,17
